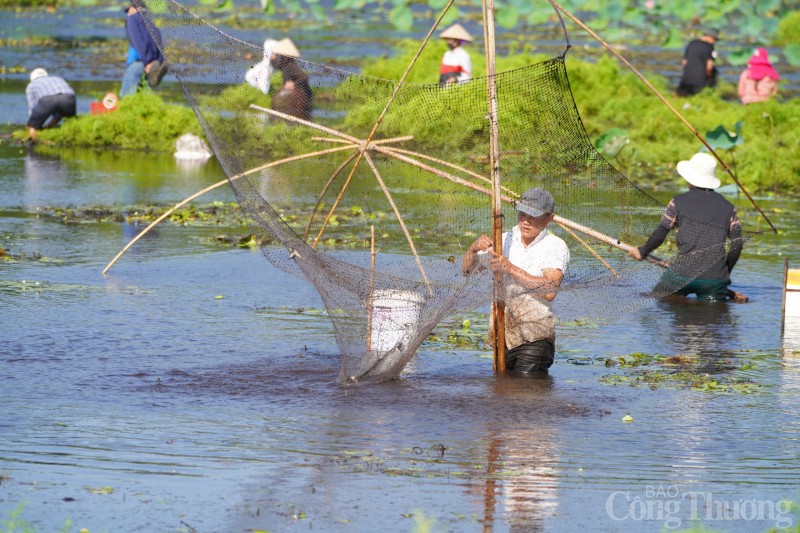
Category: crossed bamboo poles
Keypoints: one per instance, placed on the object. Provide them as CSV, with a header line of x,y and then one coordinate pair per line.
x,y
386,147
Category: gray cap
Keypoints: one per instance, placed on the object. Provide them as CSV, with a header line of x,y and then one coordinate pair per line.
x,y
712,32
536,202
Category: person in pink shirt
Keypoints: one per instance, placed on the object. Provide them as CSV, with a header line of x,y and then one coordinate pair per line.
x,y
759,81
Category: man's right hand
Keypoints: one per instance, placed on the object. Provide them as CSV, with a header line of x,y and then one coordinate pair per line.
x,y
481,244
635,253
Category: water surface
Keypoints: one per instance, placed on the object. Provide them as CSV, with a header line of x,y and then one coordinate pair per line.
x,y
195,386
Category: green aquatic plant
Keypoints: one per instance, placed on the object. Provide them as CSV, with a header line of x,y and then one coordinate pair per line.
x,y
680,371
142,122
16,524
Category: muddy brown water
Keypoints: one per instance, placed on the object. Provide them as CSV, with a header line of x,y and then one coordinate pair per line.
x,y
195,387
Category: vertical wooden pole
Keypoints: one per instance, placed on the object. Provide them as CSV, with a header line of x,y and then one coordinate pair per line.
x,y
497,207
783,298
371,287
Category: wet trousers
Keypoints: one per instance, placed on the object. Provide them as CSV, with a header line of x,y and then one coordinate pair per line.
x,y
530,357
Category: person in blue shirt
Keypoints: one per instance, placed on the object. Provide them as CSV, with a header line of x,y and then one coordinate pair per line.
x,y
144,56
50,99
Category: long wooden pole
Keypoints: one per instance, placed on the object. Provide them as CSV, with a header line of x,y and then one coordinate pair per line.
x,y
371,286
563,222
494,161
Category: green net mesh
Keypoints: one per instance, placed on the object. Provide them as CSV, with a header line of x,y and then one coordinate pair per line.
x,y
422,185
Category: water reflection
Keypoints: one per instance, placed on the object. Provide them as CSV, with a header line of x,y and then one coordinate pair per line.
x,y
522,455
43,175
699,328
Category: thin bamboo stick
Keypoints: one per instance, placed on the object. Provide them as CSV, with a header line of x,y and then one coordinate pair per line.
x,y
451,165
292,118
400,220
325,190
380,117
605,239
379,141
591,250
219,184
371,286
783,295
666,103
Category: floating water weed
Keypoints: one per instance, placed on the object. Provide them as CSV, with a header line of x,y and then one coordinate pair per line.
x,y
680,371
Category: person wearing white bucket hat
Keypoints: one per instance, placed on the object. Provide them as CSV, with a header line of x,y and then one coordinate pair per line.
x,y
534,262
294,97
456,64
260,74
704,223
50,99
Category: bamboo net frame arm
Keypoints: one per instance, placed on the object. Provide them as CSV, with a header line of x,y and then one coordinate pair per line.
x,y
216,185
400,220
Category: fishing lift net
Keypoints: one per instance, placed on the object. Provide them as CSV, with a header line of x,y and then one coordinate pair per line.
x,y
421,187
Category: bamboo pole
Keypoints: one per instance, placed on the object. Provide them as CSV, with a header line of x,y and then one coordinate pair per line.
x,y
497,206
783,294
400,220
591,250
666,103
325,190
380,118
561,221
219,184
451,165
379,141
292,118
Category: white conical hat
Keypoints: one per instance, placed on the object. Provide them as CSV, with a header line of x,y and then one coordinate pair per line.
x,y
269,45
456,31
286,47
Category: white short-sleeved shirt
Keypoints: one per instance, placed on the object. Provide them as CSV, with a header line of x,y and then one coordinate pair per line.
x,y
459,58
529,317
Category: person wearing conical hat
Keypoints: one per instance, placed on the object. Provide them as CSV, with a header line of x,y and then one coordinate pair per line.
x,y
259,75
759,81
294,96
456,64
704,223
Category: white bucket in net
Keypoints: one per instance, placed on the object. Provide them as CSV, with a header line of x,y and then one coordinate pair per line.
x,y
395,319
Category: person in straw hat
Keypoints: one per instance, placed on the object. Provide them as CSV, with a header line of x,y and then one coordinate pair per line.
x,y
534,262
49,97
759,81
704,222
259,75
294,96
456,65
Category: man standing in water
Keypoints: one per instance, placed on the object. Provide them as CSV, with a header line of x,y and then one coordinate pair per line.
x,y
144,56
703,221
698,64
534,262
